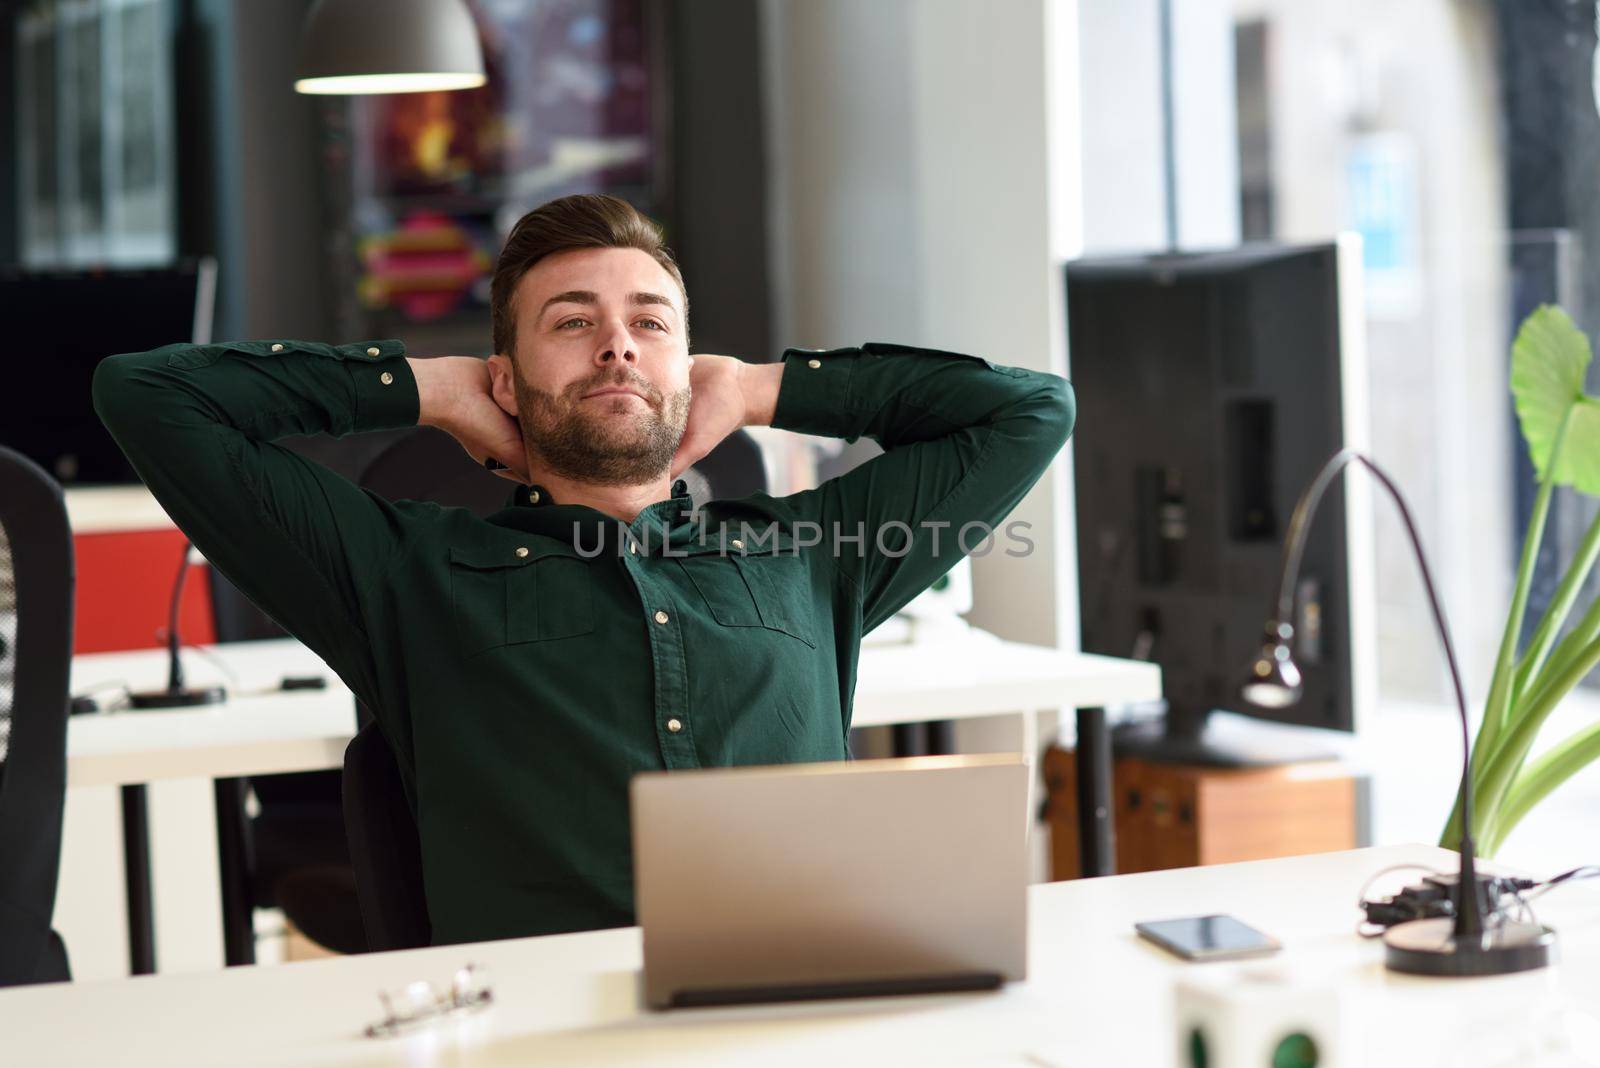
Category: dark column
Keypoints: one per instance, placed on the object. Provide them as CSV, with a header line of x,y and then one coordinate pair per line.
x,y
238,926
136,873
1096,838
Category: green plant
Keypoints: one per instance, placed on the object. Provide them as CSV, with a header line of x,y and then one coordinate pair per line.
x,y
1561,425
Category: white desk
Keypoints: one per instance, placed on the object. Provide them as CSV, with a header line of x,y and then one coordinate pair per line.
x,y
264,733
254,733
308,730
1095,996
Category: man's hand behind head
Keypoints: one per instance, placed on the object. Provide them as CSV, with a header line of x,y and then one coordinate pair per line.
x,y
455,396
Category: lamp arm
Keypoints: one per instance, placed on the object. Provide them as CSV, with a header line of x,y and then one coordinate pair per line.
x,y
1469,914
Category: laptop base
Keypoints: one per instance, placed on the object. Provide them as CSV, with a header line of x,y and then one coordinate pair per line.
x,y
857,988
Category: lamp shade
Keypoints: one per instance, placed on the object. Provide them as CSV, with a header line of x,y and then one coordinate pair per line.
x,y
389,46
1274,681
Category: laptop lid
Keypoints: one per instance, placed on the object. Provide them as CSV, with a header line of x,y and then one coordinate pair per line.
x,y
818,880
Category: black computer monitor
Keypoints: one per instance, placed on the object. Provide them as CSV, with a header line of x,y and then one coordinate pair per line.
x,y
59,324
1211,387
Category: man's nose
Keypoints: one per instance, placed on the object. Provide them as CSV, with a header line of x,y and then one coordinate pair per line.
x,y
616,347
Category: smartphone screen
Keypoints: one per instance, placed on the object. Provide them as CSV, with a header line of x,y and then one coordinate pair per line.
x,y
1208,937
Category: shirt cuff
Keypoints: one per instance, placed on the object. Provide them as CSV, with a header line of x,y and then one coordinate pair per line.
x,y
814,396
383,386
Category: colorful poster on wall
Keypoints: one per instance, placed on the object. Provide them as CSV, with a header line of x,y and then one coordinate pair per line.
x,y
572,104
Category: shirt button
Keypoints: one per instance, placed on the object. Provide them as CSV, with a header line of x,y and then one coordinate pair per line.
x,y
813,364
373,351
386,378
674,725
522,550
533,496
661,617
737,544
277,348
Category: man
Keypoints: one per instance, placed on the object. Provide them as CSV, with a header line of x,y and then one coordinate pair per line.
x,y
525,666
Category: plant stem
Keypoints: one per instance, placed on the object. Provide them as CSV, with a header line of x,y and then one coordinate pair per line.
x,y
1507,760
1583,633
1552,769
1555,616
1497,710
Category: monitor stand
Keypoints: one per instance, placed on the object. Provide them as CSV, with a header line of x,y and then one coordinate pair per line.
x,y
1220,739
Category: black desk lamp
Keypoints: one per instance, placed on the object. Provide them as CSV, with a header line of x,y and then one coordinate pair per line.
x,y
1467,944
177,695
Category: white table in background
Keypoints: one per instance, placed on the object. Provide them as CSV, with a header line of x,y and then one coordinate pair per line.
x,y
266,733
1096,995
262,731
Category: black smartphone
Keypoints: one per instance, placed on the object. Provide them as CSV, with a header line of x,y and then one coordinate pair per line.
x,y
1208,938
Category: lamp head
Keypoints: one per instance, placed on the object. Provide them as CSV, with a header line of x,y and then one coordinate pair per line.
x,y
1274,680
389,46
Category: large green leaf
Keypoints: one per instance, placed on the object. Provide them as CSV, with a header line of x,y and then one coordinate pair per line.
x,y
1548,361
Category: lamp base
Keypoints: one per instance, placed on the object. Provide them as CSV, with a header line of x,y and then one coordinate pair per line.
x,y
1429,947
205,695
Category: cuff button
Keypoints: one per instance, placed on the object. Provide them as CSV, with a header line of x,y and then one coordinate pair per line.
x,y
386,378
373,351
813,364
277,347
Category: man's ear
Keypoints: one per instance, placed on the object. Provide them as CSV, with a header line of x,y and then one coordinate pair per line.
x,y
502,386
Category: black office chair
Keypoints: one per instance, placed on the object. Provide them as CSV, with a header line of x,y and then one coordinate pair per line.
x,y
36,581
384,845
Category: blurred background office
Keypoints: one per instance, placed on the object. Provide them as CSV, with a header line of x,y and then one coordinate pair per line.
x,y
836,171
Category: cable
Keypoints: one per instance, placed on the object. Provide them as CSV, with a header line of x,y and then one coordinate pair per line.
x,y
1588,871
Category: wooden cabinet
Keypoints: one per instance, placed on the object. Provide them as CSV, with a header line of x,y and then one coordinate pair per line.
x,y
1179,816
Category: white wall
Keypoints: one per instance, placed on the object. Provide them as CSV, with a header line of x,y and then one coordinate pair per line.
x,y
914,200
1123,142
1124,199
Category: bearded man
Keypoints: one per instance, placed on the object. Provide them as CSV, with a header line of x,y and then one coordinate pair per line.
x,y
523,667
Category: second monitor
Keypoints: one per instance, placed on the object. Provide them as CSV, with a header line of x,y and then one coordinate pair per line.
x,y
1213,386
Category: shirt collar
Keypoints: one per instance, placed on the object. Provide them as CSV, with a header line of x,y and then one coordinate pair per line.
x,y
674,508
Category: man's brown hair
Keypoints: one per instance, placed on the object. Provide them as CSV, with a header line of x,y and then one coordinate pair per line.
x,y
583,220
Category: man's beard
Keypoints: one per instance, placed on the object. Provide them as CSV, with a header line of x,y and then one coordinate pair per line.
x,y
586,442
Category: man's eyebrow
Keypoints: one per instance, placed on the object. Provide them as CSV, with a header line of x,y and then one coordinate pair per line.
x,y
589,296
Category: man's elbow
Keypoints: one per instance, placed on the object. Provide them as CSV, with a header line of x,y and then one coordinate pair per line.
x,y
125,389
113,390
1058,410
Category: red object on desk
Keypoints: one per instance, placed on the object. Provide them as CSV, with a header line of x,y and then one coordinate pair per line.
x,y
124,591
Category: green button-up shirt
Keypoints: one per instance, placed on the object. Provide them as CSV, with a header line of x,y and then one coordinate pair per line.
x,y
525,666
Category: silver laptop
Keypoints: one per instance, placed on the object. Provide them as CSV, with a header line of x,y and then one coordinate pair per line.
x,y
831,880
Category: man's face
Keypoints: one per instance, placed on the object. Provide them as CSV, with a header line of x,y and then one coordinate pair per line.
x,y
599,381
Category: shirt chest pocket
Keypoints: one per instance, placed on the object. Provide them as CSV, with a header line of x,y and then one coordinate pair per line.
x,y
500,598
769,589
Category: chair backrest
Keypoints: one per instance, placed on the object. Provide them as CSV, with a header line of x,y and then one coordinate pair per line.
x,y
428,465
385,848
36,581
383,845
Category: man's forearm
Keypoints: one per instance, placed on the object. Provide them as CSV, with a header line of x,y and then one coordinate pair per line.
x,y
759,383
443,383
898,395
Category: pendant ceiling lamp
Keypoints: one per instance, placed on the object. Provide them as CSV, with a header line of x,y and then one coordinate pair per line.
x,y
389,46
